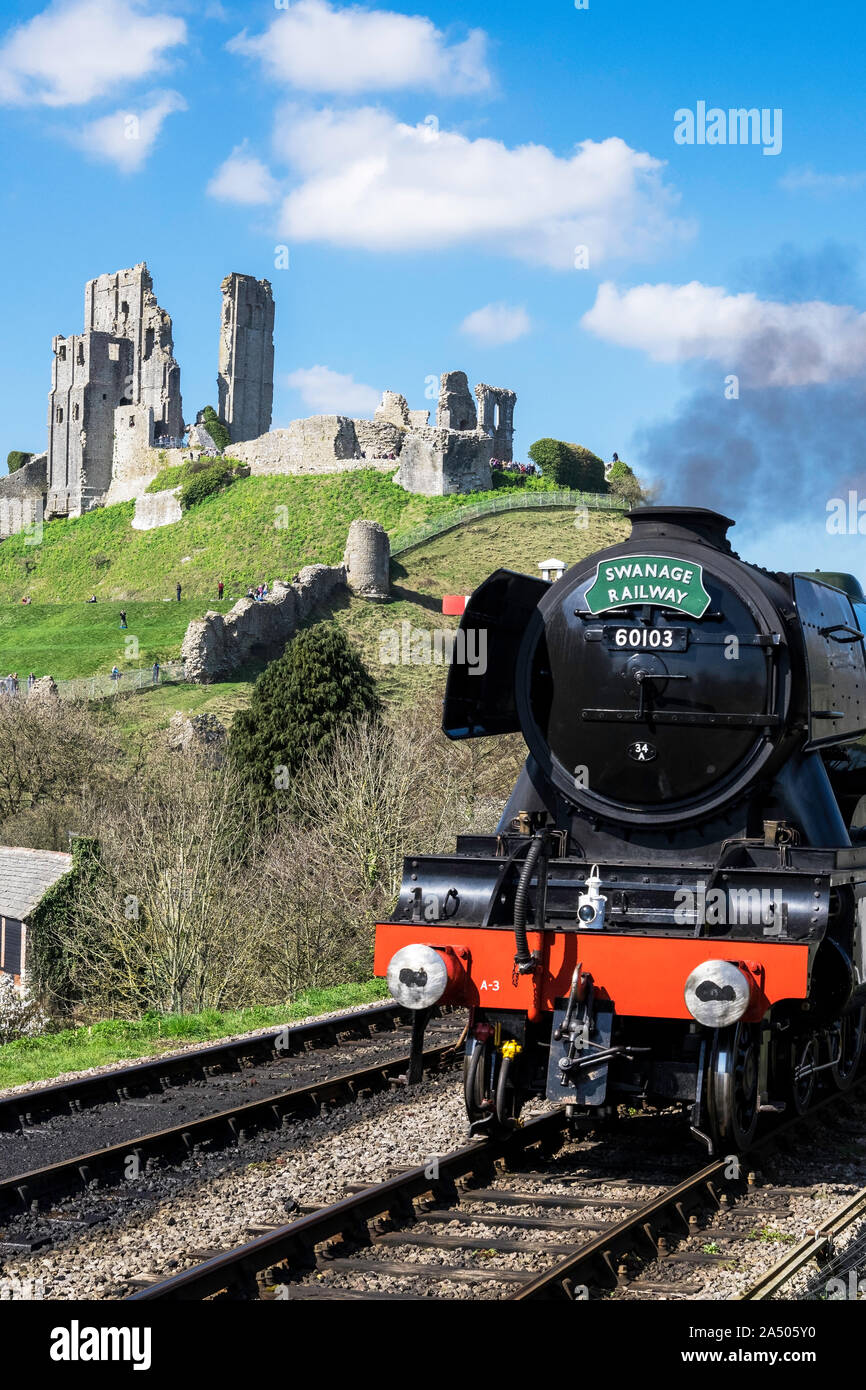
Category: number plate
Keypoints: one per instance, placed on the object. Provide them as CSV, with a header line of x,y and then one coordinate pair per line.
x,y
650,639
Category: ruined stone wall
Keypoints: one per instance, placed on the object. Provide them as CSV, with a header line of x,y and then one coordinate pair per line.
x,y
456,408
436,462
216,646
246,357
319,444
155,509
496,418
393,409
377,438
30,480
124,305
22,497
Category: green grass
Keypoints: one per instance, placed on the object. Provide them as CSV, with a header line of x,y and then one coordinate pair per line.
x,y
116,1040
259,529
456,563
79,639
84,639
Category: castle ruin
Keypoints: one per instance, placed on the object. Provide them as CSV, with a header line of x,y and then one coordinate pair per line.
x,y
115,414
118,375
246,359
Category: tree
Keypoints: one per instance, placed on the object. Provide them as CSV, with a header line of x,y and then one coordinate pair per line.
x,y
218,431
569,465
16,458
623,483
168,919
317,687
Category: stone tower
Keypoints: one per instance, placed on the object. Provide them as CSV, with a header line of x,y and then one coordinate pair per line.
x,y
496,418
125,306
121,365
246,360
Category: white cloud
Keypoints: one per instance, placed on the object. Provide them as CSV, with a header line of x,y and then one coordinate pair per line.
x,y
367,180
327,392
776,344
318,47
77,50
809,181
243,179
496,323
127,136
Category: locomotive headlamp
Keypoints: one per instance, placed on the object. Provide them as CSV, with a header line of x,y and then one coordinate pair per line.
x,y
717,993
418,976
591,903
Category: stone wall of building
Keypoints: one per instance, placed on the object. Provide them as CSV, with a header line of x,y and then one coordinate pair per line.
x,y
246,357
156,509
318,444
22,497
256,630
436,462
378,438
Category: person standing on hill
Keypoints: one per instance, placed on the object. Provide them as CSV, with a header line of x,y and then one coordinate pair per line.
x,y
123,618
155,673
220,587
178,591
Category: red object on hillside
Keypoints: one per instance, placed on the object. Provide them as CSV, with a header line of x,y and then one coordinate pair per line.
x,y
455,604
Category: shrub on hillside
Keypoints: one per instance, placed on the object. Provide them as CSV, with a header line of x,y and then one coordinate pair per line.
x,y
16,458
204,481
318,687
569,465
218,431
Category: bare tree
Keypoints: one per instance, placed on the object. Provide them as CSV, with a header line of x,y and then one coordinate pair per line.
x,y
168,922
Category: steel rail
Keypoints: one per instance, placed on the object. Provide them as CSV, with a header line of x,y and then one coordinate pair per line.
x,y
288,1251
294,1244
816,1243
660,1214
23,1191
157,1073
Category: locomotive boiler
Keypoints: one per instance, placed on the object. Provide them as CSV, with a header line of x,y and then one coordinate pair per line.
x,y
671,911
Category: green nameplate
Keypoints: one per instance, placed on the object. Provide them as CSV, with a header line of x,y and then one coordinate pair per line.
x,y
633,580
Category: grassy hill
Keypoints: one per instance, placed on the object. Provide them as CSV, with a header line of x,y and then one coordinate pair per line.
x,y
259,529
455,562
233,537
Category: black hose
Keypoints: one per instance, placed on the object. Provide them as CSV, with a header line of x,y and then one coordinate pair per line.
x,y
523,956
501,1101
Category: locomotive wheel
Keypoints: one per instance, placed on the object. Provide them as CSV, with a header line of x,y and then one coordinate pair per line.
x,y
732,1086
852,1032
804,1058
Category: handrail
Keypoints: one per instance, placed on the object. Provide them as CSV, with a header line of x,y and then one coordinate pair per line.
x,y
598,501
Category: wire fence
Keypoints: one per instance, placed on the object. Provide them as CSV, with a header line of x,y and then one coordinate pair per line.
x,y
598,501
126,683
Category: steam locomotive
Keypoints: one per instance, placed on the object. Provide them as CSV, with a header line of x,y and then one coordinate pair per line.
x,y
672,909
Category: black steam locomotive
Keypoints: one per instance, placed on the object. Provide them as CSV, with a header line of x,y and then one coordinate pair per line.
x,y
672,908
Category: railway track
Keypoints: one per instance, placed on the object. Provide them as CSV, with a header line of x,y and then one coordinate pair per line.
x,y
24,1109
26,1196
818,1246
502,1217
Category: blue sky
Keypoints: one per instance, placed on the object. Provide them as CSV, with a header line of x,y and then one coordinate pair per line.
x,y
431,170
